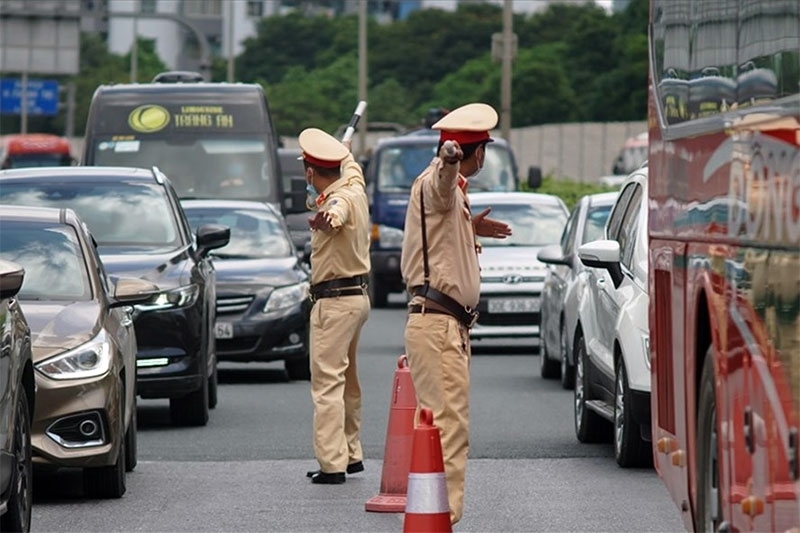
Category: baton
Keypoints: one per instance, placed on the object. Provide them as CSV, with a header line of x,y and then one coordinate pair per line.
x,y
351,127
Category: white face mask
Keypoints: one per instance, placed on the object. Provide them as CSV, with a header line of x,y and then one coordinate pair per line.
x,y
311,195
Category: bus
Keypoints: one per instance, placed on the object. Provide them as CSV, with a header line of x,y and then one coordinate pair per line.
x,y
724,260
213,140
24,150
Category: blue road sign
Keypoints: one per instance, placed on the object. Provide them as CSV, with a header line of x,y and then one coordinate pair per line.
x,y
42,96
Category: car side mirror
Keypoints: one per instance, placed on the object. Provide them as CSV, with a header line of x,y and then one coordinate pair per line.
x,y
212,236
552,255
603,254
129,291
11,281
534,177
295,201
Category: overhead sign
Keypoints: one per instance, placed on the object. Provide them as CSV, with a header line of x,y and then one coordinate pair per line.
x,y
42,96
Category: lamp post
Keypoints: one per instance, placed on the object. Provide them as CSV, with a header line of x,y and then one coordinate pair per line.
x,y
362,72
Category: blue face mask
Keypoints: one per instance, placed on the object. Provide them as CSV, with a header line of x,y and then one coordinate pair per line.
x,y
311,196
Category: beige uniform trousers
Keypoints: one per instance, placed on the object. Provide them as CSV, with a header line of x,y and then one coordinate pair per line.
x,y
438,351
335,329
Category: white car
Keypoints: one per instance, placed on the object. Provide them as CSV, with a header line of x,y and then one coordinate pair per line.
x,y
564,285
612,355
511,277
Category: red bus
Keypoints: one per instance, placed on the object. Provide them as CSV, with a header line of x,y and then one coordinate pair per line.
x,y
724,259
34,150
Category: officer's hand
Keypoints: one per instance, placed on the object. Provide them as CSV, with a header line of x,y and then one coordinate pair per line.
x,y
320,221
487,227
451,152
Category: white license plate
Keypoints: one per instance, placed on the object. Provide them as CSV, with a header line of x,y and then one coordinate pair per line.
x,y
223,330
513,305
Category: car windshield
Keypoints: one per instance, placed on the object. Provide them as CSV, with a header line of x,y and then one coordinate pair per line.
x,y
198,167
118,213
37,160
531,224
254,233
595,224
398,167
51,255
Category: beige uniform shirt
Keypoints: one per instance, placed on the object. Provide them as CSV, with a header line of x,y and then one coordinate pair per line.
x,y
452,255
343,251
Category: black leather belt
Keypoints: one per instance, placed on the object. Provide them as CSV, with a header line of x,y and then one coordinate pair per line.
x,y
414,309
339,287
335,293
464,314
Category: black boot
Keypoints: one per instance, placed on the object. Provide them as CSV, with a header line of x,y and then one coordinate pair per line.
x,y
323,478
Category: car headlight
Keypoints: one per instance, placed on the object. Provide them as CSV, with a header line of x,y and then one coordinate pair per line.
x,y
86,361
284,297
389,237
184,296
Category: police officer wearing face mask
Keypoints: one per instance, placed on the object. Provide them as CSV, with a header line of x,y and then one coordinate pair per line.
x,y
439,264
339,273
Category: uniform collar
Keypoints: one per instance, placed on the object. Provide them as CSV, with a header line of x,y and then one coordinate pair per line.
x,y
330,189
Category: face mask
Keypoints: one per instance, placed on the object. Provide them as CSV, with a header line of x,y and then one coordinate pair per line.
x,y
311,196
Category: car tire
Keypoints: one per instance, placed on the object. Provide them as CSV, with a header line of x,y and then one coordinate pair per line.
x,y
109,481
18,513
191,409
131,450
548,368
213,384
630,450
298,369
589,426
567,370
378,294
707,513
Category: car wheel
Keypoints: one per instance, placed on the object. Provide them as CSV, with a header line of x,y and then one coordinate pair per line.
x,y
131,451
20,501
191,409
588,424
629,448
378,294
548,368
213,382
109,481
707,511
567,370
299,369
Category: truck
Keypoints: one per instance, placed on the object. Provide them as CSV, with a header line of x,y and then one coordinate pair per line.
x,y
391,168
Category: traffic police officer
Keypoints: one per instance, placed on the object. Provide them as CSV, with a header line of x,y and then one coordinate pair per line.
x,y
339,272
439,264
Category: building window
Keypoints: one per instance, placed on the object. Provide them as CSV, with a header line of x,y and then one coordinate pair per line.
x,y
255,8
202,7
147,6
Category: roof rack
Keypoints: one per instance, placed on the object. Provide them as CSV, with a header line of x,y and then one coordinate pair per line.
x,y
178,76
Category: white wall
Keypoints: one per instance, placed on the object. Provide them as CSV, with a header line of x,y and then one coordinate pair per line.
x,y
168,35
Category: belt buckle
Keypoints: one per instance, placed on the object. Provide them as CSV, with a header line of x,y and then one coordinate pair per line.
x,y
473,316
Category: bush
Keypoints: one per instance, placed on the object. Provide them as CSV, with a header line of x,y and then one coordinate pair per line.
x,y
568,190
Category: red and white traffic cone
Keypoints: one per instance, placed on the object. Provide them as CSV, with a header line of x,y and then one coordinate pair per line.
x,y
427,507
399,438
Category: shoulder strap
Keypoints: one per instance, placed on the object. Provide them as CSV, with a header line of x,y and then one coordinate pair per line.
x,y
427,273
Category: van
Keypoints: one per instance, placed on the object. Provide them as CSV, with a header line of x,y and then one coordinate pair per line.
x,y
213,140
34,150
392,167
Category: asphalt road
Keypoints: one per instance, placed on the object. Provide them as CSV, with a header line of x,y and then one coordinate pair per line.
x,y
245,471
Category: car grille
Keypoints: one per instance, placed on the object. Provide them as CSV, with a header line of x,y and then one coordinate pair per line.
x,y
237,344
228,305
512,279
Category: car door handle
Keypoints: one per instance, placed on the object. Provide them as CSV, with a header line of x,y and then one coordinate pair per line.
x,y
601,282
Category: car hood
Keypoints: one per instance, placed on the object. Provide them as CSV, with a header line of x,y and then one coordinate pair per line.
x,y
256,273
508,259
60,326
164,268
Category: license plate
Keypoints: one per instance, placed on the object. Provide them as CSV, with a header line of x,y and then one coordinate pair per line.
x,y
513,305
223,330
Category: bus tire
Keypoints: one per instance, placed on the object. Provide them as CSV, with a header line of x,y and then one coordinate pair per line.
x,y
708,506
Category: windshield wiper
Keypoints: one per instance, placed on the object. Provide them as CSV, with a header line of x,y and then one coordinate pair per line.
x,y
233,256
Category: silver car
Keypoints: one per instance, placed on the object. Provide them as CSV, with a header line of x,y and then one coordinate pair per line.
x,y
511,277
563,285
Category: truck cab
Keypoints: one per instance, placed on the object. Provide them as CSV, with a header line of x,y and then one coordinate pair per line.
x,y
390,170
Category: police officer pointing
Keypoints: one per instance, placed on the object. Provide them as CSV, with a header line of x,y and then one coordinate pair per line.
x,y
339,272
439,264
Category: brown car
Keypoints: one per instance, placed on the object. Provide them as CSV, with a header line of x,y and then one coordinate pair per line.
x,y
84,346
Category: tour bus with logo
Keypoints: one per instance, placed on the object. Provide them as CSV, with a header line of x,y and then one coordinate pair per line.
x,y
24,150
213,140
724,256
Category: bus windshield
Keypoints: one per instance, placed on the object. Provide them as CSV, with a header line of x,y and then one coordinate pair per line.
x,y
235,166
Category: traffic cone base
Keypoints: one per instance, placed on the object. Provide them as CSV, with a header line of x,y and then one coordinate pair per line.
x,y
399,441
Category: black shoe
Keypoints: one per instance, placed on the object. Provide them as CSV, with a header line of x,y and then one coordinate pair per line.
x,y
323,478
355,468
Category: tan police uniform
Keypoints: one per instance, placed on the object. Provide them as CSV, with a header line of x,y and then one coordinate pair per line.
x,y
437,343
340,267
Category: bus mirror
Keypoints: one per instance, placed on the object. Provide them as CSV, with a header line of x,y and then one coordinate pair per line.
x,y
295,201
534,177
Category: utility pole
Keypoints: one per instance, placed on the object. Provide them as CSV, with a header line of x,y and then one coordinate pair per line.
x,y
362,73
230,42
505,80
135,51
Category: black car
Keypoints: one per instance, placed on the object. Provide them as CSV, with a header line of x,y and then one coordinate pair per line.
x,y
142,231
262,286
16,404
